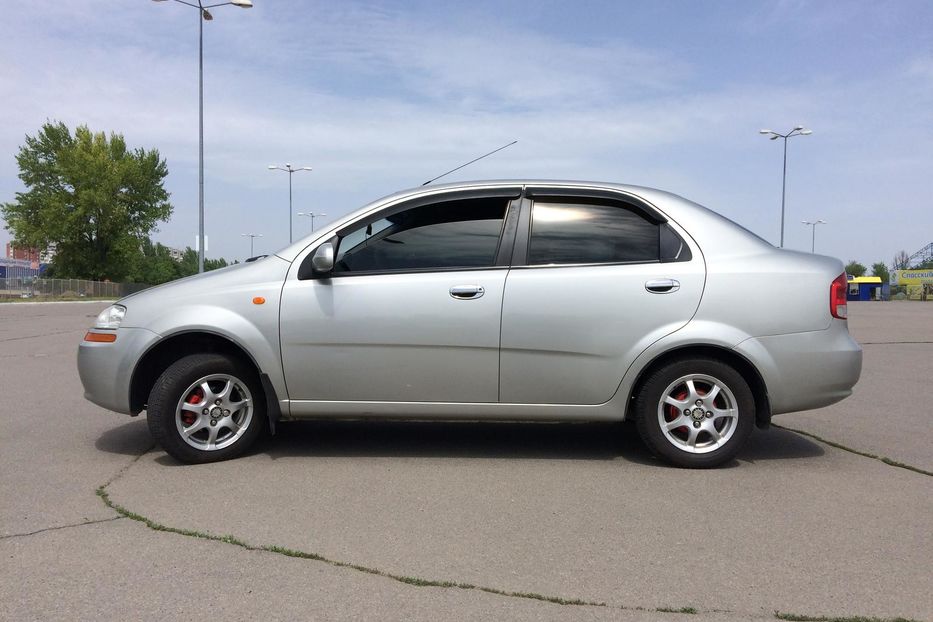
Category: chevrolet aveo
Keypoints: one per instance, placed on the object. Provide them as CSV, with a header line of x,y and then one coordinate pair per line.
x,y
505,300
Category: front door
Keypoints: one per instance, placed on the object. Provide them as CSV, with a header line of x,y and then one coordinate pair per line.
x,y
410,312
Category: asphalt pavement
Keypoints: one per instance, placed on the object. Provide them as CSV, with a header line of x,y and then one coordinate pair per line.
x,y
450,521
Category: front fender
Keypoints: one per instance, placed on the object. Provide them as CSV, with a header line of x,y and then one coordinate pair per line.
x,y
257,336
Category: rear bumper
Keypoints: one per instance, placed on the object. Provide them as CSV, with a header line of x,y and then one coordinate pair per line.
x,y
807,370
106,369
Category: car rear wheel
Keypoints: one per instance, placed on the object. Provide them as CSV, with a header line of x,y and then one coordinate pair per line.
x,y
695,413
206,408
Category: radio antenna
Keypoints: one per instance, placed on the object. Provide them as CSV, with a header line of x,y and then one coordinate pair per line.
x,y
470,162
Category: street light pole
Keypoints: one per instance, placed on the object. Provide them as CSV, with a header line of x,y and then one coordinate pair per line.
x,y
251,236
290,170
813,233
797,131
311,215
204,15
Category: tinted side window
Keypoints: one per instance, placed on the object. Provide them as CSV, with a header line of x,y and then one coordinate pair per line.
x,y
452,234
569,233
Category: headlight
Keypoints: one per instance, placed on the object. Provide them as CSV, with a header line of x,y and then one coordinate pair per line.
x,y
110,317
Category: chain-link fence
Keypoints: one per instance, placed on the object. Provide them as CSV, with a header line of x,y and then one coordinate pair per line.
x,y
39,288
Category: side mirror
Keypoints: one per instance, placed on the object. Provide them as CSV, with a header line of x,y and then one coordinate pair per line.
x,y
323,260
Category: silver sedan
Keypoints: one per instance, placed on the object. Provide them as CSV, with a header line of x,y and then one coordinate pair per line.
x,y
515,300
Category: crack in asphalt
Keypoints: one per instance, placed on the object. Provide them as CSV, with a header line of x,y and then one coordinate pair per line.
x,y
88,522
857,452
421,582
412,581
61,332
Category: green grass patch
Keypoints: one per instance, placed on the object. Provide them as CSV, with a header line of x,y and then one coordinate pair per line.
x,y
688,610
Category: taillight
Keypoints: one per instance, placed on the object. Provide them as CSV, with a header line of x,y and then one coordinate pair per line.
x,y
837,297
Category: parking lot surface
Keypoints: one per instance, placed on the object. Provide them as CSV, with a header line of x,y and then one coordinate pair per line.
x,y
392,520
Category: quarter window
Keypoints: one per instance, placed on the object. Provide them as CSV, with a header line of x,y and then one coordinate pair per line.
x,y
582,233
448,235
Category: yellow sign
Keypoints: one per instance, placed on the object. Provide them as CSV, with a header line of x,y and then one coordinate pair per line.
x,y
911,277
918,283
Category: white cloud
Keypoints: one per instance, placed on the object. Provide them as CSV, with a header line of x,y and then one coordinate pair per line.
x,y
376,100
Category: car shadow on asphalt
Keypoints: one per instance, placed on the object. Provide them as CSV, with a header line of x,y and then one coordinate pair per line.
x,y
129,439
474,440
482,440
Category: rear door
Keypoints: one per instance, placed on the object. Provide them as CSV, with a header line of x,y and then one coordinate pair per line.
x,y
596,278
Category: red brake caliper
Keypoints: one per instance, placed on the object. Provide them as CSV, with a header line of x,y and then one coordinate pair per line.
x,y
188,417
675,412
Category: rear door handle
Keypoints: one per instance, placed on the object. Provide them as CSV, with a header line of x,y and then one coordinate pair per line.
x,y
467,292
662,286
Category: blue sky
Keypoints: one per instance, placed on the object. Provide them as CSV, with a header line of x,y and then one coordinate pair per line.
x,y
378,97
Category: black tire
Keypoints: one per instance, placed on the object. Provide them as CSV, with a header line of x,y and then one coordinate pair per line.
x,y
235,428
718,436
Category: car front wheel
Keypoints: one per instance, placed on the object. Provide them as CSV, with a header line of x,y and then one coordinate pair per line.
x,y
695,413
206,408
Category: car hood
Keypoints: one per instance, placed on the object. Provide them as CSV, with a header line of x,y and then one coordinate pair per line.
x,y
270,267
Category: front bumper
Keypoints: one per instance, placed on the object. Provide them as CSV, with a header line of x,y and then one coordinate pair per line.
x,y
807,370
106,369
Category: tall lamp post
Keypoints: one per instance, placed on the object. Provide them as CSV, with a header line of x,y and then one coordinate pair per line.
x,y
288,168
797,131
251,236
204,16
813,236
311,215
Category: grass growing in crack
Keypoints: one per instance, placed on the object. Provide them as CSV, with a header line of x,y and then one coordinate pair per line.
x,y
864,454
415,581
796,617
689,610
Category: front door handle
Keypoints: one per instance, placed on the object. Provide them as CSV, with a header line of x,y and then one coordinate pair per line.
x,y
467,292
662,286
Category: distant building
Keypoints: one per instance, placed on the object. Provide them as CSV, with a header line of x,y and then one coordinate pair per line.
x,y
868,288
31,254
175,254
48,254
22,253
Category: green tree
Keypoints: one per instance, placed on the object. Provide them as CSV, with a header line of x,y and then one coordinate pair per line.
x,y
854,268
156,265
189,263
91,196
880,269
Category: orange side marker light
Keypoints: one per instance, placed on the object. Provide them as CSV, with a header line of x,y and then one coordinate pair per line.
x,y
100,337
259,300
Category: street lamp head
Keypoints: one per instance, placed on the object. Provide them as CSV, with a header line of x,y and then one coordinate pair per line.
x,y
305,168
272,167
798,128
821,222
775,137
243,4
806,132
764,131
206,15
